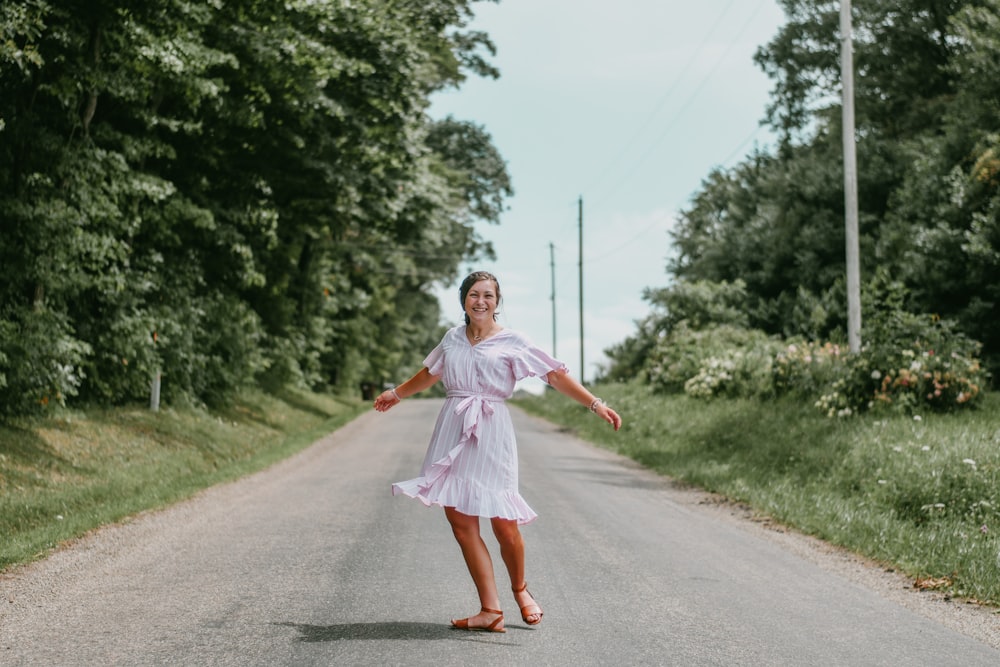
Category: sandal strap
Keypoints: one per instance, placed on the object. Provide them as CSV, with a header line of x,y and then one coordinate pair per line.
x,y
492,611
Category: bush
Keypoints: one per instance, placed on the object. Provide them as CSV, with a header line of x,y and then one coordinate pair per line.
x,y
719,360
805,368
939,370
40,361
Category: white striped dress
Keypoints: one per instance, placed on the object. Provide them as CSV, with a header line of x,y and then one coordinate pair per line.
x,y
471,463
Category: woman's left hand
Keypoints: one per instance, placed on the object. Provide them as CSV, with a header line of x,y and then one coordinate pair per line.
x,y
608,415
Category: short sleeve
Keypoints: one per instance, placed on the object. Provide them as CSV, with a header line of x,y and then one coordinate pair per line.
x,y
532,361
434,362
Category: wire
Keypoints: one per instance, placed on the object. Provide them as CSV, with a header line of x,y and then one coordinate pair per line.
x,y
615,250
670,125
666,96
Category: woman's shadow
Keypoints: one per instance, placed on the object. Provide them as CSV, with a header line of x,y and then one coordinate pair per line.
x,y
389,630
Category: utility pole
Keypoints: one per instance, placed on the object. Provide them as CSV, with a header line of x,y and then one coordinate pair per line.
x,y
552,265
850,181
580,217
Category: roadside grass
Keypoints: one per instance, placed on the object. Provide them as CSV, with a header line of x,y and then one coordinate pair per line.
x,y
917,493
65,475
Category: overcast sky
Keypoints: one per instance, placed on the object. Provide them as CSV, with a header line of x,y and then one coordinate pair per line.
x,y
627,104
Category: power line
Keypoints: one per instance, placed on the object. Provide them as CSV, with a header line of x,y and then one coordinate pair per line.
x,y
670,125
666,96
617,249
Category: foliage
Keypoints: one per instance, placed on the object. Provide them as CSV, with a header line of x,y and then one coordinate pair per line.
x,y
926,97
230,192
908,362
40,361
685,306
720,360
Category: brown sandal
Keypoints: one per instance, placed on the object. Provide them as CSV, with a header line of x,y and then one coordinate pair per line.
x,y
533,604
463,623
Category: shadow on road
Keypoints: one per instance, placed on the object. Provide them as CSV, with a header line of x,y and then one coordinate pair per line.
x,y
383,631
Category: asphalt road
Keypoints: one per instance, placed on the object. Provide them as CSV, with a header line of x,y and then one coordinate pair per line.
x,y
313,562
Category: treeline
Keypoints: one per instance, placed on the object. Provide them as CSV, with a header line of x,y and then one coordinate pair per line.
x,y
928,140
230,193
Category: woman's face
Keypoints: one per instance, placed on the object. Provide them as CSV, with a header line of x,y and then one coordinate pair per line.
x,y
481,302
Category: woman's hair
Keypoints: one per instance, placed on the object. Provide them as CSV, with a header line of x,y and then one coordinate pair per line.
x,y
471,280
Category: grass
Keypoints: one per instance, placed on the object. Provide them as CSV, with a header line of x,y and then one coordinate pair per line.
x,y
63,476
920,494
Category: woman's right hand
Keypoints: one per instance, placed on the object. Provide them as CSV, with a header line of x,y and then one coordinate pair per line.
x,y
386,400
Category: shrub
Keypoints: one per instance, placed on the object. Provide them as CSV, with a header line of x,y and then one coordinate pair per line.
x,y
806,368
740,372
719,360
40,361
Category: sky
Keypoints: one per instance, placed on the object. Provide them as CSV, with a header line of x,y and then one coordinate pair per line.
x,y
628,106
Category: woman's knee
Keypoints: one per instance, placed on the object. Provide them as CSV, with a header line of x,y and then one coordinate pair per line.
x,y
507,532
462,525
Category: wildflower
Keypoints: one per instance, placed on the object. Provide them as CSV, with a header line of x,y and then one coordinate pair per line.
x,y
917,418
925,448
882,481
876,375
983,529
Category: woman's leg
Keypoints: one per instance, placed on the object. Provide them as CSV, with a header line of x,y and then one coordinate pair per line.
x,y
512,552
477,559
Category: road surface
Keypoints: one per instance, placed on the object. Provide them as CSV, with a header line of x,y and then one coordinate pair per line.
x,y
313,562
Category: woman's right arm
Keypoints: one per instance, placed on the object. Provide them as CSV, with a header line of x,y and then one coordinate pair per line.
x,y
416,384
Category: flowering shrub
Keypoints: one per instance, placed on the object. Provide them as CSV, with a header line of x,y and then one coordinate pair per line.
x,y
920,376
909,362
805,367
712,378
721,359
737,372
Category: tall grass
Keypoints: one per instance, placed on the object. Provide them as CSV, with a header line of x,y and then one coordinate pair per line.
x,y
920,493
65,475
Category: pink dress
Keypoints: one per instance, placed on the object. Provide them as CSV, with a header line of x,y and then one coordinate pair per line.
x,y
471,463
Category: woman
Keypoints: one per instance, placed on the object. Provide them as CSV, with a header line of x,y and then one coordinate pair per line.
x,y
471,464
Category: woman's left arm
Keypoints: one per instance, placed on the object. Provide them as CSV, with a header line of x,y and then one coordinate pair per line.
x,y
566,384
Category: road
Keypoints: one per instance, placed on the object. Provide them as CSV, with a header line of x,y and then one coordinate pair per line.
x,y
313,562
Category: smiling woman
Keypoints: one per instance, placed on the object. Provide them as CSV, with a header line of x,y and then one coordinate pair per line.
x,y
470,468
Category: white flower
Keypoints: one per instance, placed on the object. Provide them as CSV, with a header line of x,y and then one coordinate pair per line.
x,y
917,418
969,462
925,448
882,481
876,375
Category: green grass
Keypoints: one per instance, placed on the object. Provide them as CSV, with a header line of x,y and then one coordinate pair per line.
x,y
63,476
921,495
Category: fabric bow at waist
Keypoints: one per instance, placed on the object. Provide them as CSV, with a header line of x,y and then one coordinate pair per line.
x,y
472,407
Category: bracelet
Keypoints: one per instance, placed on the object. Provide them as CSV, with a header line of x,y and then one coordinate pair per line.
x,y
393,390
597,401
